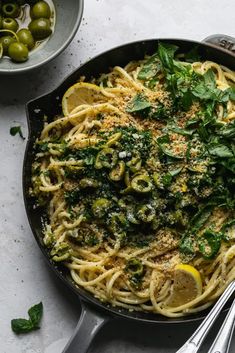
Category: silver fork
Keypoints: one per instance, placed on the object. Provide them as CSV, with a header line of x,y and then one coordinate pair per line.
x,y
222,341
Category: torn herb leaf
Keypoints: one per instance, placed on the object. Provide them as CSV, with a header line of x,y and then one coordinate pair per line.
x,y
35,314
16,130
21,326
181,131
219,150
166,54
138,104
209,244
150,68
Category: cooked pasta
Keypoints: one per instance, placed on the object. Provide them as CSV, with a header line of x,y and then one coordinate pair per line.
x,y
138,178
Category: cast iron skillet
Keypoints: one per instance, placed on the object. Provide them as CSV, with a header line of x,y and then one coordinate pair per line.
x,y
219,48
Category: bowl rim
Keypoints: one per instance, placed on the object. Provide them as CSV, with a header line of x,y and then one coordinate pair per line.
x,y
55,53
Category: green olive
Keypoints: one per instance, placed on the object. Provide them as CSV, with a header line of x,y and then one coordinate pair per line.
x,y
146,213
135,267
0,22
10,24
113,139
88,183
100,207
141,183
6,41
18,52
117,223
117,172
40,9
11,10
135,163
40,28
25,37
106,158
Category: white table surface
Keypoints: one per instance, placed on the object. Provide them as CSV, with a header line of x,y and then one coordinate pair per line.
x,y
25,278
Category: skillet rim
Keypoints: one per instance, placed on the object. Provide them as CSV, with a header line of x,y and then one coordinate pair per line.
x,y
82,294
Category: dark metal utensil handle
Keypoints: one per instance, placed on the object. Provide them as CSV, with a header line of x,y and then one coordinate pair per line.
x,y
222,41
88,326
194,342
222,341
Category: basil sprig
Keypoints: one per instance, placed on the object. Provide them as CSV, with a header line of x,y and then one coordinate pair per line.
x,y
24,325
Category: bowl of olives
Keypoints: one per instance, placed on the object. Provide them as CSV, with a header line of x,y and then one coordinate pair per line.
x,y
33,32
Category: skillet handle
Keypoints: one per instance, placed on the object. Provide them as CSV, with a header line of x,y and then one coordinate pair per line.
x,y
222,41
88,326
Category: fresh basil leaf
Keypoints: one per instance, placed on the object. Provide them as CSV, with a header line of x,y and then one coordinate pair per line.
x,y
191,122
175,172
16,130
206,89
21,326
150,68
228,131
200,218
166,54
209,244
232,93
151,83
158,111
35,314
220,151
181,131
168,153
229,164
209,79
138,104
163,139
187,245
166,179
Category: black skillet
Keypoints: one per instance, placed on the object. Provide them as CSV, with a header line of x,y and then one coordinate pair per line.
x,y
219,48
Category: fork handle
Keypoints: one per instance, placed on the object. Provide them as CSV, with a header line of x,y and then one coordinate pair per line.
x,y
195,341
222,341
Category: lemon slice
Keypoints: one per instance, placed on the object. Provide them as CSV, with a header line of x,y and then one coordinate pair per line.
x,y
81,93
186,287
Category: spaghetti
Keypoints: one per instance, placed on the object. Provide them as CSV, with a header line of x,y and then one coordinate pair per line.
x,y
138,177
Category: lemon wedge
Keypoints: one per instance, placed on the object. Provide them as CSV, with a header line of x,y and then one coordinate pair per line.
x,y
81,93
186,287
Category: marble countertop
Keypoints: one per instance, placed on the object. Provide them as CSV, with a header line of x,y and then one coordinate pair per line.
x,y
24,274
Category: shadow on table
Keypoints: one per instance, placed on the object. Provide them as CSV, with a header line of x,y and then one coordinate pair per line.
x,y
20,88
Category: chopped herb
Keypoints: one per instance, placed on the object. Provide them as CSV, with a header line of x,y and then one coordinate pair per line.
x,y
209,244
72,197
135,269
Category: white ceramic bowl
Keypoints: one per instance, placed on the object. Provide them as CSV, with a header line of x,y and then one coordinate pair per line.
x,y
68,18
